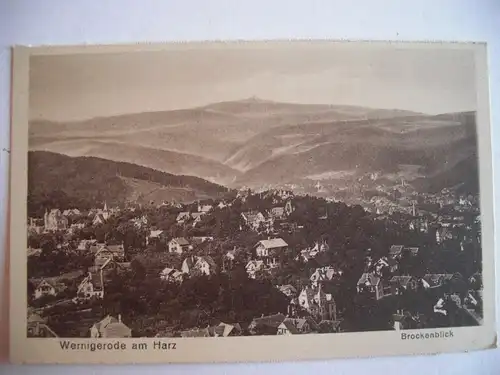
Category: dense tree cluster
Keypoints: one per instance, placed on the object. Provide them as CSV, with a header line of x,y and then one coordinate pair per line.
x,y
55,180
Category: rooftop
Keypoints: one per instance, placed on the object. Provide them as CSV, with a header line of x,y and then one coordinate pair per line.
x,y
273,243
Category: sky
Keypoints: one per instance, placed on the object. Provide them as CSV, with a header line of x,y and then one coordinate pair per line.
x,y
73,87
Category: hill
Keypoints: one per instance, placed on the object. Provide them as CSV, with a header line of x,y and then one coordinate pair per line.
x,y
56,180
463,177
435,144
173,162
254,142
197,141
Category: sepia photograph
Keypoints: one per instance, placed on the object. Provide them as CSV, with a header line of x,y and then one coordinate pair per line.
x,y
225,190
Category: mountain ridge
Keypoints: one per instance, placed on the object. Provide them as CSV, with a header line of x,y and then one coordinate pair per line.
x,y
56,180
251,141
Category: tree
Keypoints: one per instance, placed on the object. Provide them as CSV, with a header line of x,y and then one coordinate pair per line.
x,y
138,270
48,244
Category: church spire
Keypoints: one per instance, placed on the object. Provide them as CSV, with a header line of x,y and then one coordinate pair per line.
x,y
105,206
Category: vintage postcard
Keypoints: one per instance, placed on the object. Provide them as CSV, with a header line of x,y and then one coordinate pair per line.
x,y
250,201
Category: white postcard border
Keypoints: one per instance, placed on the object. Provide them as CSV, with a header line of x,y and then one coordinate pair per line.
x,y
237,349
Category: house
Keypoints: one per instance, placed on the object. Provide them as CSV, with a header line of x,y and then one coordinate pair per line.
x,y
98,220
312,252
396,251
225,330
115,252
33,252
455,298
182,217
172,275
253,219
230,258
110,265
266,325
118,252
294,326
95,247
155,236
287,327
444,303
476,281
37,327
243,194
306,255
318,303
277,213
306,325
413,251
222,205
205,208
324,274
431,281
400,284
197,216
264,248
110,327
140,222
321,246
421,225
443,234
54,221
405,320
253,267
84,245
288,290
179,245
284,194
72,212
92,286
35,226
199,265
473,299
269,250
385,263
175,204
35,229
200,240
48,287
329,326
370,284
